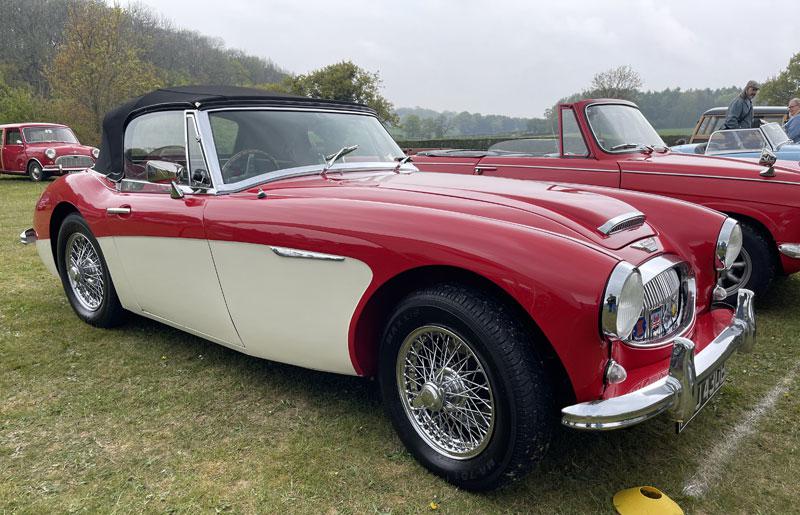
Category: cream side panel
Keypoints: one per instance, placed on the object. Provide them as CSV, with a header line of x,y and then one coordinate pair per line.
x,y
292,310
174,279
46,255
125,291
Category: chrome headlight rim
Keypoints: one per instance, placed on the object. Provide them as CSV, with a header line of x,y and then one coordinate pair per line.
x,y
625,280
95,152
50,153
729,244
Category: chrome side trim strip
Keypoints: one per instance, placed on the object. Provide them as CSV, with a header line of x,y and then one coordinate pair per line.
x,y
554,168
764,181
304,254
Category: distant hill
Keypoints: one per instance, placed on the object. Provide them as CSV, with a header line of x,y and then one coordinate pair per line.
x,y
32,30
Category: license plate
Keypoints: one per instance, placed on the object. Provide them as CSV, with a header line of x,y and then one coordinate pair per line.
x,y
703,392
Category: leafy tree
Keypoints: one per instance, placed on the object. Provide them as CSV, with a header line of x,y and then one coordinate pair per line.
x,y
412,128
18,104
780,89
620,82
343,81
98,66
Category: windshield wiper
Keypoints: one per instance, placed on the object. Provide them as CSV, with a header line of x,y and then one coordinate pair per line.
x,y
400,162
624,146
644,147
329,160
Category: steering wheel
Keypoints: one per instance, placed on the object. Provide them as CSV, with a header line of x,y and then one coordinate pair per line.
x,y
229,171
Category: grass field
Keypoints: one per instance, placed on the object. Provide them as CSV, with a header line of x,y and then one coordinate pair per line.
x,y
148,419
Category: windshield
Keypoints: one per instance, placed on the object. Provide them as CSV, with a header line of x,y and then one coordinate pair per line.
x,y
250,143
621,128
775,134
736,140
49,134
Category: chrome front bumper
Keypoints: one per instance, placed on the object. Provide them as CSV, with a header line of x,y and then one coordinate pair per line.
x,y
674,393
27,236
791,250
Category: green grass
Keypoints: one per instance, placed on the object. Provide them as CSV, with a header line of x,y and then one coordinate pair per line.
x,y
146,418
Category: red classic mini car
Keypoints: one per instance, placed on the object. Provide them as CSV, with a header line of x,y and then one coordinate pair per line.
x,y
42,149
610,143
294,230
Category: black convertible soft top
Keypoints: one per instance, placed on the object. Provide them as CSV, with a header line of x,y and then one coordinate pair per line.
x,y
109,161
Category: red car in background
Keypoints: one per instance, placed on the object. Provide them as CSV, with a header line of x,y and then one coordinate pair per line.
x,y
40,150
610,143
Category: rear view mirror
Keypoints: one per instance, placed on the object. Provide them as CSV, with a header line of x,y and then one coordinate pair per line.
x,y
163,171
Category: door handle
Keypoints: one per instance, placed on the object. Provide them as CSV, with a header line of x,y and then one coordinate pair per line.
x,y
118,211
480,169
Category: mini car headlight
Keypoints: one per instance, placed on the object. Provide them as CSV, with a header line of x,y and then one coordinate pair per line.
x,y
50,153
729,244
96,152
623,301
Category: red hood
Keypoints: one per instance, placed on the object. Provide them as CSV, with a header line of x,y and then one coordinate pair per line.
x,y
710,165
566,210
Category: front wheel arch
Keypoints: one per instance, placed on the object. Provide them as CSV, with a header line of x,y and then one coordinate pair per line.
x,y
381,304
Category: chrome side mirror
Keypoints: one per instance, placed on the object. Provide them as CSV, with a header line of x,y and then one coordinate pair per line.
x,y
768,159
163,171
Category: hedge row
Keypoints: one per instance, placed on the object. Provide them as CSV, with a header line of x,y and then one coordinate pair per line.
x,y
484,143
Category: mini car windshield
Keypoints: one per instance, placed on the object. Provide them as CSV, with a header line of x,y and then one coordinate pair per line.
x,y
736,140
49,135
250,143
775,134
620,127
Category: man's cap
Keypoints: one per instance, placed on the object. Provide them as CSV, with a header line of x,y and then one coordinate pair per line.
x,y
752,84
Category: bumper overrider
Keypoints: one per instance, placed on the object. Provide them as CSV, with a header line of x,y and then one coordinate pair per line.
x,y
674,393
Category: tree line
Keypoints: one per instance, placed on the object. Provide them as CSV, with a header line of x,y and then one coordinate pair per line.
x,y
70,61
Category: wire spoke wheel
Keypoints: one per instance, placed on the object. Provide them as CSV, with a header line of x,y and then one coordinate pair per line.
x,y
739,273
84,271
445,392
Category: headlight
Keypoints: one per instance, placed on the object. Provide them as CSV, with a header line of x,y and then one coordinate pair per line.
x,y
96,152
50,153
729,244
623,301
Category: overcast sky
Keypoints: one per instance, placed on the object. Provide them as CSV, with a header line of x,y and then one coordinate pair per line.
x,y
502,56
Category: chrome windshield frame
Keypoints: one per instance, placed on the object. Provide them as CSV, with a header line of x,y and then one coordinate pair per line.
x,y
597,140
209,148
765,142
766,130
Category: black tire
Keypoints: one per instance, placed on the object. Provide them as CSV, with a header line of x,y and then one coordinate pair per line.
x,y
81,279
521,428
35,172
754,269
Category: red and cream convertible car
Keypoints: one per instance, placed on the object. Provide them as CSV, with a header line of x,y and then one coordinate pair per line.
x,y
39,150
292,229
610,143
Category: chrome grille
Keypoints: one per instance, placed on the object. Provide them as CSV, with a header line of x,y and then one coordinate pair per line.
x,y
668,307
75,161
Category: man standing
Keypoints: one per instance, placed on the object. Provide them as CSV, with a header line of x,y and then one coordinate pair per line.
x,y
793,125
740,112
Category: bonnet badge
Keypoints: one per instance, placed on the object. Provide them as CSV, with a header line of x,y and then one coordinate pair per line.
x,y
647,244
